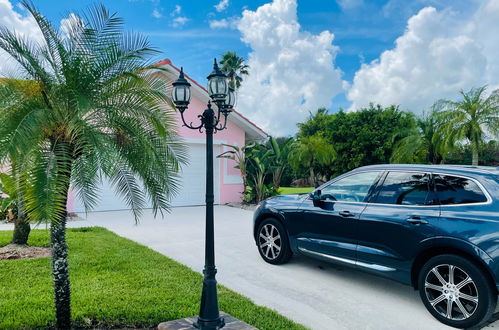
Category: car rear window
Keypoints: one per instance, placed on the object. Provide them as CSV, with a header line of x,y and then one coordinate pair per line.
x,y
405,188
453,190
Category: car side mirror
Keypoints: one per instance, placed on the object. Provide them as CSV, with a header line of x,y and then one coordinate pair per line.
x,y
315,196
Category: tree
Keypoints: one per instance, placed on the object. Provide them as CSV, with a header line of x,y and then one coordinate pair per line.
x,y
422,145
12,208
311,152
469,119
364,137
98,113
279,158
238,155
234,67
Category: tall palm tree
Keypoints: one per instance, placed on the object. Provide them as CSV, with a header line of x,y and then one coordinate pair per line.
x,y
469,119
422,145
311,152
97,113
234,67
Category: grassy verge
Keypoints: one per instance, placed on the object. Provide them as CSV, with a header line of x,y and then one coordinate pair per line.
x,y
115,283
293,190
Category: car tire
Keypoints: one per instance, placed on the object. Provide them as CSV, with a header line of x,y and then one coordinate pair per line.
x,y
456,291
272,242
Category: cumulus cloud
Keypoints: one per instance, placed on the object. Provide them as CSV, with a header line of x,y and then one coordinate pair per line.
x,y
176,11
292,72
437,55
222,5
24,25
156,13
219,24
224,23
179,21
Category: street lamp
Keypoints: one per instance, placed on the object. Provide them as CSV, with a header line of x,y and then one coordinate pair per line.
x,y
224,98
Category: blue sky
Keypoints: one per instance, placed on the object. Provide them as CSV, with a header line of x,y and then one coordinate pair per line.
x,y
186,31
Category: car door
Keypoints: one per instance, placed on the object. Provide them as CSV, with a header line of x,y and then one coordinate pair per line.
x,y
327,229
399,218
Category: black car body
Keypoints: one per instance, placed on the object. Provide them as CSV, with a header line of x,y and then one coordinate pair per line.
x,y
392,220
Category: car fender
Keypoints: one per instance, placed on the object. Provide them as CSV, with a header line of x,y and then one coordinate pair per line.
x,y
445,244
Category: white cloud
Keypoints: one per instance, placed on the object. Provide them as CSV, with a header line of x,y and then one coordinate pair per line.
x,y
24,25
180,21
224,23
156,13
222,5
219,24
176,11
437,55
291,72
349,4
68,23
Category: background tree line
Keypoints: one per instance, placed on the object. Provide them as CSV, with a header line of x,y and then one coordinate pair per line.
x,y
329,144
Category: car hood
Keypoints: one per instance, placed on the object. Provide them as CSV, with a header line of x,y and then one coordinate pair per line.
x,y
284,198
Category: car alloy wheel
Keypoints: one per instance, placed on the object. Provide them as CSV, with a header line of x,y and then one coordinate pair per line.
x,y
269,241
451,292
457,291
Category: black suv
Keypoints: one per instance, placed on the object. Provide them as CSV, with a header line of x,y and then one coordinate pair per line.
x,y
433,227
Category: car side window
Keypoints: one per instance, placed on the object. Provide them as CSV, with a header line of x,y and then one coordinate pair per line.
x,y
457,190
353,188
405,188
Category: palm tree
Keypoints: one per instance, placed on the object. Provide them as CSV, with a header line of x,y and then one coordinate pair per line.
x,y
98,112
469,119
238,155
279,158
12,208
311,152
234,67
422,145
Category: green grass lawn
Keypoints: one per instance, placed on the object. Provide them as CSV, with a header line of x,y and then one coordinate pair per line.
x,y
115,282
293,190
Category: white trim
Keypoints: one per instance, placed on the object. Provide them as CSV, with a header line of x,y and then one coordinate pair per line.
x,y
348,261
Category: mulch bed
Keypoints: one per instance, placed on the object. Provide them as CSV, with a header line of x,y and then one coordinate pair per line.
x,y
14,251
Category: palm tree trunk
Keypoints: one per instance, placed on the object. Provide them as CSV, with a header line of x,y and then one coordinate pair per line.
x,y
60,272
60,267
474,152
312,177
21,232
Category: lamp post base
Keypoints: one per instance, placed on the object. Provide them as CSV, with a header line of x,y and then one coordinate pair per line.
x,y
231,323
209,324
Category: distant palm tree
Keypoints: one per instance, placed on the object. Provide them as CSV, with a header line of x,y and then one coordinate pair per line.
x,y
97,112
422,145
469,119
311,152
234,67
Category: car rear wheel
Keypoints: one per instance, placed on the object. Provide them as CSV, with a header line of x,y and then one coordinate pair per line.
x,y
273,242
456,292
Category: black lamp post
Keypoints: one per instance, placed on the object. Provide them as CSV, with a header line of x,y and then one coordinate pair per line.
x,y
224,98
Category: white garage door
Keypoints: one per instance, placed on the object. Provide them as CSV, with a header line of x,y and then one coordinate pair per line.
x,y
192,182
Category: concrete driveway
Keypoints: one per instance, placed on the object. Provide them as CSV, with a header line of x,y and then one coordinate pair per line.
x,y
316,294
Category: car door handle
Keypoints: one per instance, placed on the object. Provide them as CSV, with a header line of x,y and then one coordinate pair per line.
x,y
346,214
415,220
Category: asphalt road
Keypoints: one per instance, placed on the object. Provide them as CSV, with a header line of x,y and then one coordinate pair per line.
x,y
316,294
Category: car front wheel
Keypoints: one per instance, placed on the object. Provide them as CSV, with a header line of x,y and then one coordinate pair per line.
x,y
456,291
273,243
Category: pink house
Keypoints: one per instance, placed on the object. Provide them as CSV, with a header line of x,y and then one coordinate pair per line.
x,y
228,180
